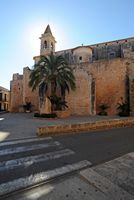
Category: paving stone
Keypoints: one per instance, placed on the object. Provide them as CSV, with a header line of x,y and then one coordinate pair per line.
x,y
71,189
119,170
111,190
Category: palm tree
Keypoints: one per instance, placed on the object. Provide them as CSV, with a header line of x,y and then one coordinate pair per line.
x,y
52,72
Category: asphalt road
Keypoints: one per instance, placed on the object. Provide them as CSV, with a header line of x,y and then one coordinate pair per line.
x,y
100,146
96,147
20,161
23,158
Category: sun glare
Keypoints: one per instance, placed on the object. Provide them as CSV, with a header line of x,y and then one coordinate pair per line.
x,y
3,135
1,119
61,36
39,193
58,32
34,34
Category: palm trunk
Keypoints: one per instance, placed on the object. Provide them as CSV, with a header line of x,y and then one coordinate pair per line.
x,y
53,92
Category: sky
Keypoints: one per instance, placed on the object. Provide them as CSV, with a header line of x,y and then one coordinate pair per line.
x,y
72,22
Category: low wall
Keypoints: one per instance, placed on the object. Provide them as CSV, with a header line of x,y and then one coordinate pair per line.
x,y
63,113
88,126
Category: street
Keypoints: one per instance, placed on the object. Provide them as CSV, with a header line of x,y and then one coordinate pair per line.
x,y
100,146
28,160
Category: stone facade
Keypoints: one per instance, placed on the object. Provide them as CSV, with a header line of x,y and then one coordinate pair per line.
x,y
101,70
4,99
21,93
84,127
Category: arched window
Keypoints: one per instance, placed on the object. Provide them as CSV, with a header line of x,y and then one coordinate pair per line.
x,y
45,44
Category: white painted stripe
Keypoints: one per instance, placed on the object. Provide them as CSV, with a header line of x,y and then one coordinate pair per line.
x,y
30,160
27,148
131,154
28,181
26,140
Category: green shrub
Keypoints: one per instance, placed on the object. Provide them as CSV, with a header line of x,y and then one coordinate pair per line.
x,y
27,106
123,109
103,108
45,115
36,115
103,113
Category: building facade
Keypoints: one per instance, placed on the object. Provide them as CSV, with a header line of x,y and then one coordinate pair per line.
x,y
4,99
104,73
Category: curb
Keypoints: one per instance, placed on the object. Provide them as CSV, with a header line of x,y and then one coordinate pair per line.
x,y
85,126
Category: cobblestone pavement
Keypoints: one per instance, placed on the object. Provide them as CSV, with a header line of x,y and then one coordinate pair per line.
x,y
23,125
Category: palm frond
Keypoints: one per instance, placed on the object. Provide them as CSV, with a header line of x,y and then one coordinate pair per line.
x,y
50,70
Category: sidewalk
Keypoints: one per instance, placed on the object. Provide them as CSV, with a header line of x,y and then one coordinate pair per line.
x,y
113,180
24,125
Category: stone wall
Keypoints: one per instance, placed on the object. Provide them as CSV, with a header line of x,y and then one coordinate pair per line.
x,y
84,127
79,101
103,51
114,49
131,86
109,87
22,93
110,78
28,94
82,54
100,82
16,93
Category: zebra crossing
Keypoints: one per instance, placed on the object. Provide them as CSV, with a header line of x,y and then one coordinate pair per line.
x,y
27,162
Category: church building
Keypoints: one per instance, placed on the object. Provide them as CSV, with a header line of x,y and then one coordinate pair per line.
x,y
104,75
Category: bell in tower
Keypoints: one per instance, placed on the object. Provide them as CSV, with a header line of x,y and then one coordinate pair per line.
x,y
47,42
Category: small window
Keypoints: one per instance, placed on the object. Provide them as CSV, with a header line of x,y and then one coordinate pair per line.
x,y
112,55
80,58
45,44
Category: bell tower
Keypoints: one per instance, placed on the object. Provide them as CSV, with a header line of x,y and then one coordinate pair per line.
x,y
47,42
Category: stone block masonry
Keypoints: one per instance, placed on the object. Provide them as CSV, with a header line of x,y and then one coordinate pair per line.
x,y
101,72
83,127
